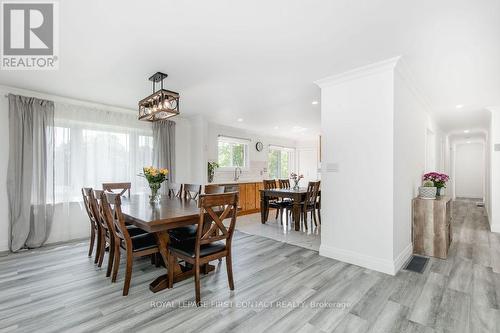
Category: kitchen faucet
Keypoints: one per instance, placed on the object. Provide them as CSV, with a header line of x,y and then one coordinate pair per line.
x,y
237,174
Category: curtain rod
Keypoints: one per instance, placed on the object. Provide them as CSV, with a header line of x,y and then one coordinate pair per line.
x,y
233,137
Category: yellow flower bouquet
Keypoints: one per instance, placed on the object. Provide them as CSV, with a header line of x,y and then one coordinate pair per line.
x,y
155,177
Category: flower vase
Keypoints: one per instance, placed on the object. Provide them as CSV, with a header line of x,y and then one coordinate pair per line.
x,y
438,192
296,184
154,197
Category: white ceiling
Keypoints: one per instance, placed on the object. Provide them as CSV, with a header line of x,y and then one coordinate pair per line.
x,y
257,60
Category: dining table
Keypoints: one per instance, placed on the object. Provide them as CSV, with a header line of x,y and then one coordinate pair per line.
x,y
297,195
157,218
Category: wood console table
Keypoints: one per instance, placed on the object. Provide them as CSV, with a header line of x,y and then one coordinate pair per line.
x,y
431,229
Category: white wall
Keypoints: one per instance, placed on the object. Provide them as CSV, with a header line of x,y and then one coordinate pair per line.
x,y
495,170
375,125
258,160
358,163
469,170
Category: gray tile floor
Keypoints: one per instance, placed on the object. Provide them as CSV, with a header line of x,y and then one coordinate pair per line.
x,y
283,232
279,288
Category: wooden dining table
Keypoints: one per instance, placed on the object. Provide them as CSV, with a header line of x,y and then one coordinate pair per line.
x,y
298,197
158,218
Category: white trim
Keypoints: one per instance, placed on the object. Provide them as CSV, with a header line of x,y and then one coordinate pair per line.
x,y
375,68
403,257
363,260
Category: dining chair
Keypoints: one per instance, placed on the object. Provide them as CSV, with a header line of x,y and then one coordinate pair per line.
x,y
213,239
275,202
175,190
213,189
191,191
94,225
310,202
134,246
284,183
122,187
106,236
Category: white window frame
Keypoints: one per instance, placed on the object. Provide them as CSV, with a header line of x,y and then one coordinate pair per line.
x,y
246,151
291,164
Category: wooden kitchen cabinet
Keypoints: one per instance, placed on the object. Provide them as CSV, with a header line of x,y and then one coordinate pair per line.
x,y
251,202
249,196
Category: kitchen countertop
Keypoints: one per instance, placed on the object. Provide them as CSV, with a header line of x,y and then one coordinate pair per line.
x,y
242,181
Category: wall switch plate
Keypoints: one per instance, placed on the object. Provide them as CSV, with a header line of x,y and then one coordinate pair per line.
x,y
332,167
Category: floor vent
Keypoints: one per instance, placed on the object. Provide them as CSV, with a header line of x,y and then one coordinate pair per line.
x,y
417,264
480,204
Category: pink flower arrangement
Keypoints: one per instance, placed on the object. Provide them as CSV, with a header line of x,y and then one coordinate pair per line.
x,y
295,176
439,179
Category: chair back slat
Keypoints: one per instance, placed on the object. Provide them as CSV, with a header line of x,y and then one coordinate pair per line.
x,y
312,193
86,201
213,189
214,209
111,203
121,187
94,203
269,184
284,183
175,190
191,191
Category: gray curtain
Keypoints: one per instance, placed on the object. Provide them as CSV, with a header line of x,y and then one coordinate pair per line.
x,y
30,185
164,149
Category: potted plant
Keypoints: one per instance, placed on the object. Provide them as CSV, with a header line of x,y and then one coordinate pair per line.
x,y
155,177
427,190
212,166
438,179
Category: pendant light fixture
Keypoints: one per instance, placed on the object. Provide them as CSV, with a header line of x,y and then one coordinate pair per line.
x,y
161,104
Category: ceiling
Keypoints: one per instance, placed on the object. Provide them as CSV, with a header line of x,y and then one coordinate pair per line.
x,y
257,60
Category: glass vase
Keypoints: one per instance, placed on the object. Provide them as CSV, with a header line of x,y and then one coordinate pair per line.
x,y
154,197
296,184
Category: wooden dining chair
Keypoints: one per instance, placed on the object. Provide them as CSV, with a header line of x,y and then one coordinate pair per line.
x,y
134,246
213,189
106,236
275,202
121,187
284,183
191,191
175,190
213,239
94,224
310,203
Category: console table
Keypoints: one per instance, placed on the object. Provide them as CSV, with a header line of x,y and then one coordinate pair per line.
x,y
431,229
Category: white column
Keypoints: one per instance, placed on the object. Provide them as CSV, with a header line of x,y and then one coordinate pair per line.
x,y
357,116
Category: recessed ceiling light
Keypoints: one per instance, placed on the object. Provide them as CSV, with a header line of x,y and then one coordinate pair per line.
x,y
459,106
240,120
468,141
276,127
466,131
314,102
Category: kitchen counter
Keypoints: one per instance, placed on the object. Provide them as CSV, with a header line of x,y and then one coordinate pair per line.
x,y
241,181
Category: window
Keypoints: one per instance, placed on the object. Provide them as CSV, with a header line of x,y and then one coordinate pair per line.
x,y
232,152
108,149
281,162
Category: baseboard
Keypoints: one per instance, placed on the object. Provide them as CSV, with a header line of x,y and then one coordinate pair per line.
x,y
358,259
495,228
403,257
